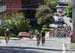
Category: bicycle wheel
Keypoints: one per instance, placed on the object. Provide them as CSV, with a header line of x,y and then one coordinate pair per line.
x,y
6,40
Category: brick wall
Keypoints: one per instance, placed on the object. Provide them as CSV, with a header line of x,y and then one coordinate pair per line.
x,y
13,6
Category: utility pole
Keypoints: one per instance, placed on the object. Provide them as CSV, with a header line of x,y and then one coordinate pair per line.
x,y
73,19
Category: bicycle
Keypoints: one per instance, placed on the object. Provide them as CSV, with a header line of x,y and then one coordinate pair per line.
x,y
6,38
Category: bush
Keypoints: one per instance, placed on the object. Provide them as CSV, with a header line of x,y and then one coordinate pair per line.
x,y
18,23
2,29
45,29
72,45
13,35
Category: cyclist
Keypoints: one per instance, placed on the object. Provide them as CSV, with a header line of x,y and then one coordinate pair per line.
x,y
43,38
6,34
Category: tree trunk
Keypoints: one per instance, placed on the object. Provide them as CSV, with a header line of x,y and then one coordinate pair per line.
x,y
73,19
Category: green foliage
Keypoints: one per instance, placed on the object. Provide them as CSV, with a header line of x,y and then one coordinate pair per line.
x,y
2,29
44,9
51,3
72,45
45,29
69,11
18,23
43,15
13,35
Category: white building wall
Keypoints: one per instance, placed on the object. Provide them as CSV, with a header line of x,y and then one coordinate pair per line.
x,y
65,1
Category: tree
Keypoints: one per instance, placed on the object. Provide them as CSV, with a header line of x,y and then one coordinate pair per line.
x,y
51,3
69,11
43,15
18,23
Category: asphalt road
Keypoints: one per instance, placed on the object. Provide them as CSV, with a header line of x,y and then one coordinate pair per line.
x,y
19,50
51,44
70,51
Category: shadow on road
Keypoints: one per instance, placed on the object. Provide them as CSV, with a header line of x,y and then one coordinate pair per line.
x,y
12,48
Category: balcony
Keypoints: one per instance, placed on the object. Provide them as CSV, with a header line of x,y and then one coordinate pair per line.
x,y
2,8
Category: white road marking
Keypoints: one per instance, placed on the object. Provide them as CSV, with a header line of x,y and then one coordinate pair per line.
x,y
64,48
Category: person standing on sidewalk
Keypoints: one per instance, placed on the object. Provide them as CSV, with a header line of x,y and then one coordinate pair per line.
x,y
43,37
6,34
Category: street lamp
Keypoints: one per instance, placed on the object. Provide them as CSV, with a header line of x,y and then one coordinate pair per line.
x,y
73,19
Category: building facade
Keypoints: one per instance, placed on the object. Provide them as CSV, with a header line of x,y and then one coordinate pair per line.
x,y
2,11
62,5
27,7
2,8
15,6
12,6
64,1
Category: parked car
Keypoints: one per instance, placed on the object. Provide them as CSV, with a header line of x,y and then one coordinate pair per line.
x,y
25,34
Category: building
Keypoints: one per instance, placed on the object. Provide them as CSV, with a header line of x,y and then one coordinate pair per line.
x,y
64,1
12,6
62,4
2,11
2,8
28,7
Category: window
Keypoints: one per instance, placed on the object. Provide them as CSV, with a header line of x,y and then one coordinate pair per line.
x,y
2,22
37,2
26,3
2,2
31,3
